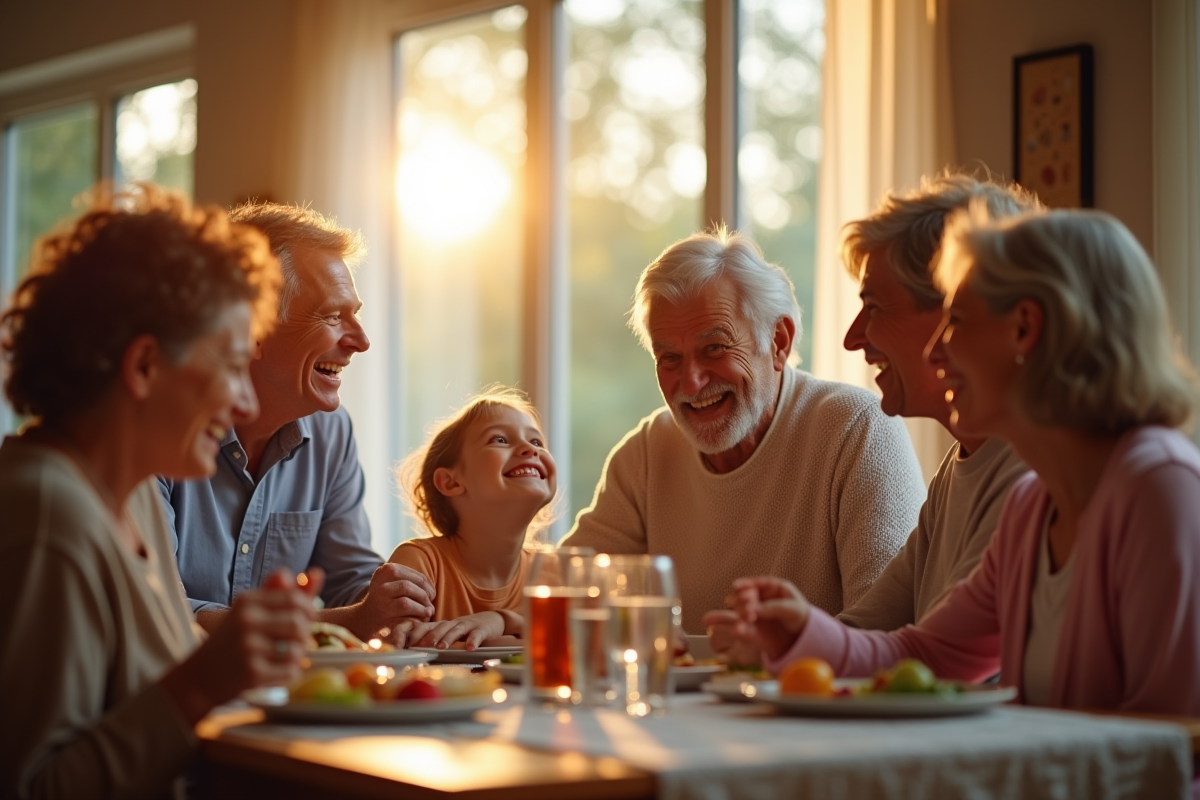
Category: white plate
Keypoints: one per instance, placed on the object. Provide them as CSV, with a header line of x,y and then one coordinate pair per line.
x,y
742,691
274,703
974,700
511,673
690,678
456,655
344,658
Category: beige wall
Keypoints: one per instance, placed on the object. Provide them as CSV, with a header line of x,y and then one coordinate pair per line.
x,y
986,34
242,57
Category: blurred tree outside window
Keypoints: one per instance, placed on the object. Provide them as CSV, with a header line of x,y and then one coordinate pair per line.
x,y
48,160
156,136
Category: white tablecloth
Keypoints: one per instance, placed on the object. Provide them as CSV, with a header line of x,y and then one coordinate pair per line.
x,y
705,750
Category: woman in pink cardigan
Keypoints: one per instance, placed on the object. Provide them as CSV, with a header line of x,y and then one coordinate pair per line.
x,y
1054,339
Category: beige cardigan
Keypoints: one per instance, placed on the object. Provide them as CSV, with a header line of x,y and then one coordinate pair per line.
x,y
86,630
826,500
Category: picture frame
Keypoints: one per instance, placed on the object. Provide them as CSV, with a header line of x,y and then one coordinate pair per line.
x,y
1053,147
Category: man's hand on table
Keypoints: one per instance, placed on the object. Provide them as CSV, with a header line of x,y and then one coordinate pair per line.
x,y
394,595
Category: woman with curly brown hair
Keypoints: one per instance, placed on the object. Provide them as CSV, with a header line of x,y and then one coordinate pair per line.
x,y
128,345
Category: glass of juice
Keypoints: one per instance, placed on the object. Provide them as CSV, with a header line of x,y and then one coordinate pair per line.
x,y
558,582
642,597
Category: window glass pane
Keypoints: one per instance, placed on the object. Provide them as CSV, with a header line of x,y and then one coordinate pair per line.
x,y
156,136
633,98
459,185
782,48
49,159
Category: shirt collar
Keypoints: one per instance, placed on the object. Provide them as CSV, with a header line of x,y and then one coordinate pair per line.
x,y
288,438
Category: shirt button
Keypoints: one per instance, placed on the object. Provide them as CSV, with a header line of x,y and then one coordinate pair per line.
x,y
236,454
245,549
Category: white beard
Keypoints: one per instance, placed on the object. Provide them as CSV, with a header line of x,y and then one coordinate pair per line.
x,y
725,433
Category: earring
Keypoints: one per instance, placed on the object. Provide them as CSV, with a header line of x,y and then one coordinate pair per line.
x,y
1020,359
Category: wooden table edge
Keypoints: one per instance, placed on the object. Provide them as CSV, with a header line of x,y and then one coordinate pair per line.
x,y
245,761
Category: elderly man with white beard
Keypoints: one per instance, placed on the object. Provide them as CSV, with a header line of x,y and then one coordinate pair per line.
x,y
753,467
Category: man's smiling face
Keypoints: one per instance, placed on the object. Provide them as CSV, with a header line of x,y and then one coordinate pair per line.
x,y
892,332
717,383
302,360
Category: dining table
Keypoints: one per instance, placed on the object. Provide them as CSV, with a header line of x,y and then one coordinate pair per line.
x,y
701,749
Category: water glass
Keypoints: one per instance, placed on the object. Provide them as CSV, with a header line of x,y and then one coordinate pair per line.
x,y
558,581
591,673
642,597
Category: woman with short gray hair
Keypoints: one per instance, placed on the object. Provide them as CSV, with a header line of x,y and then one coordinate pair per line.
x,y
1055,339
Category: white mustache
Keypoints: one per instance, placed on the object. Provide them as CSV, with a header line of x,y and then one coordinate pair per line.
x,y
715,390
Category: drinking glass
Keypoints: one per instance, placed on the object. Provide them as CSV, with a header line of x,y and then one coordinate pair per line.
x,y
641,594
557,582
591,673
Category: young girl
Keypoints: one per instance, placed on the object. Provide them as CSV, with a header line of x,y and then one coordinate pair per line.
x,y
479,483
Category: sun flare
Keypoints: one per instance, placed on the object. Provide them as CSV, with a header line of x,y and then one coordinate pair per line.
x,y
448,187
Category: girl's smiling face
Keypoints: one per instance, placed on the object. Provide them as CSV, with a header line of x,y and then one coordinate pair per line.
x,y
504,459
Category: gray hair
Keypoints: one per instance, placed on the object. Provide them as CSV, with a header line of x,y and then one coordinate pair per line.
x,y
291,228
1106,360
907,228
683,270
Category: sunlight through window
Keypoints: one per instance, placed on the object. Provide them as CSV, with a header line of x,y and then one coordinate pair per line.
x,y
156,136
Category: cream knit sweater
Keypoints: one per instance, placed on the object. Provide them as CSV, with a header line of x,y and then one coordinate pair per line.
x,y
828,497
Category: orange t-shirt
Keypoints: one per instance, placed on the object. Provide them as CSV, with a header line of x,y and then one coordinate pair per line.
x,y
437,559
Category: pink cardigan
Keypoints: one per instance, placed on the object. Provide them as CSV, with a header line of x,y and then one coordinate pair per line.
x,y
1131,635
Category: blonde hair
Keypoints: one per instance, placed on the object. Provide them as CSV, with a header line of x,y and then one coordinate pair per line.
x,y
907,227
683,270
1106,360
292,228
414,475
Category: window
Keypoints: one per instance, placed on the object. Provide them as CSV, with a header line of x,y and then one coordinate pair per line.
x,y
124,111
592,133
462,143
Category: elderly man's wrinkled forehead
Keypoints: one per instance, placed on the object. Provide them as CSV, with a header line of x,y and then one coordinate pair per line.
x,y
720,298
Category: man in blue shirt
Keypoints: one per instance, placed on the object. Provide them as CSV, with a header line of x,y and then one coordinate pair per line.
x,y
288,488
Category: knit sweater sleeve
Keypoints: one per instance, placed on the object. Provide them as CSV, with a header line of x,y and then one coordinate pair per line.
x,y
61,738
615,522
877,496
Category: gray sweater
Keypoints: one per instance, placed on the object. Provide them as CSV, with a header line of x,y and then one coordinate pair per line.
x,y
956,525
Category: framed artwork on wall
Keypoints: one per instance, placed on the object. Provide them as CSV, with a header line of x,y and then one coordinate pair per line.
x,y
1052,125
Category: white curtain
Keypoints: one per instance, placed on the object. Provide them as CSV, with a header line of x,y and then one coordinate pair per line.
x,y
337,157
887,120
1176,91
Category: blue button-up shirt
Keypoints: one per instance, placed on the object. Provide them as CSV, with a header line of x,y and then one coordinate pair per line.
x,y
231,532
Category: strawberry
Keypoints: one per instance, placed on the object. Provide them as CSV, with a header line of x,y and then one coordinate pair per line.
x,y
418,689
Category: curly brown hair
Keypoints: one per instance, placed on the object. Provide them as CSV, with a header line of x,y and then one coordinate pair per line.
x,y
139,261
415,473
